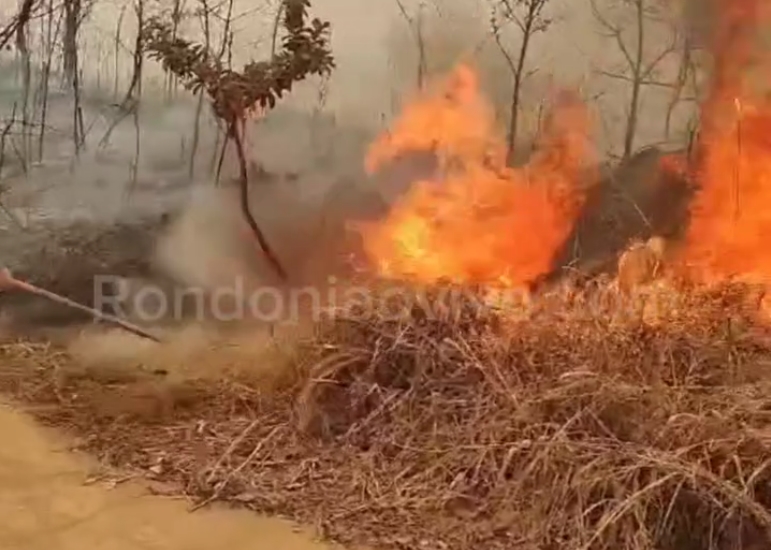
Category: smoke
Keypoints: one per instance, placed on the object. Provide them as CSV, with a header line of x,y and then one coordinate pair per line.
x,y
306,218
698,17
313,143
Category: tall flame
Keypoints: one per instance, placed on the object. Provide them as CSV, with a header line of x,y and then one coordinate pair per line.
x,y
729,221
478,220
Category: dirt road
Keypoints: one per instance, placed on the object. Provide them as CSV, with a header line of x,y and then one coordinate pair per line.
x,y
44,504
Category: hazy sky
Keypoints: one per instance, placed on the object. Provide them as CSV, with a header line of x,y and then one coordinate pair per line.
x,y
376,54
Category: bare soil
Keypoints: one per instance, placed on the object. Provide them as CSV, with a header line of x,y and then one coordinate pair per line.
x,y
53,499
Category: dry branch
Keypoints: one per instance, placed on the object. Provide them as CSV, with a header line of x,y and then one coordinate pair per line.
x,y
8,282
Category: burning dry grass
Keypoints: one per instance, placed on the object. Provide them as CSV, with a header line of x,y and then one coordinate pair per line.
x,y
565,429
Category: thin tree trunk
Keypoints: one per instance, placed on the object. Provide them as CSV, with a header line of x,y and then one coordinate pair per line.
x,y
199,107
234,133
136,91
131,100
527,33
79,133
46,77
196,135
634,102
72,9
422,62
686,66
118,29
22,48
176,17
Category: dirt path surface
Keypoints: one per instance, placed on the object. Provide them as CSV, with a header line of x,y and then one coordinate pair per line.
x,y
45,504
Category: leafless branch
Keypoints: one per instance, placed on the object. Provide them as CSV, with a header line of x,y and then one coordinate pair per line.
x,y
415,25
530,23
638,72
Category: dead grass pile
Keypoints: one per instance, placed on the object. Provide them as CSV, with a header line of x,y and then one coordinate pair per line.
x,y
464,428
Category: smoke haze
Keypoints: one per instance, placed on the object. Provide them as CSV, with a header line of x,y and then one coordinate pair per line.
x,y
315,141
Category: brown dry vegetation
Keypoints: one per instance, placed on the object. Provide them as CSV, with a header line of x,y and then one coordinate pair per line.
x,y
568,427
580,424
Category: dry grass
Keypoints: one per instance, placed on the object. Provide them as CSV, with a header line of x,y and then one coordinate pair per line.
x,y
565,428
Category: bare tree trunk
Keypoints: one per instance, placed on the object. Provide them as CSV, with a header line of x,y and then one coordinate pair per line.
x,y
199,108
22,48
71,67
176,18
638,72
136,90
318,109
136,75
235,133
531,24
222,151
227,42
79,132
416,28
4,137
130,102
683,73
46,77
72,9
118,29
421,43
196,135
527,33
637,81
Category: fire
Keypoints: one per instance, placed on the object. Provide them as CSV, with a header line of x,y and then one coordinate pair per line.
x,y
478,220
729,221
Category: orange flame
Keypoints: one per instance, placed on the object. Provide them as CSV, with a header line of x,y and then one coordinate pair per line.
x,y
729,223
477,220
